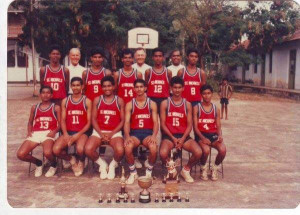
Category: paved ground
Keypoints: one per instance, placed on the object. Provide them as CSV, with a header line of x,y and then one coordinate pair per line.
x,y
262,166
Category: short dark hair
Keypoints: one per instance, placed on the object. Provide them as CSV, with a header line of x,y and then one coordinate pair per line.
x,y
157,50
176,80
97,50
77,79
46,87
175,50
190,50
126,52
108,78
142,81
206,87
54,47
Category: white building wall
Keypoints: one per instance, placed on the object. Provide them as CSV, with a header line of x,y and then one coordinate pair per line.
x,y
297,78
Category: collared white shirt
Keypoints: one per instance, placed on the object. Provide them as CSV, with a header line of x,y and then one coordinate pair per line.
x,y
142,68
75,71
174,69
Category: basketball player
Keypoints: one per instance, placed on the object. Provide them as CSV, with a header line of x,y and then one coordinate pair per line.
x,y
193,78
42,129
92,77
126,77
107,120
158,78
141,127
76,120
55,76
207,126
176,123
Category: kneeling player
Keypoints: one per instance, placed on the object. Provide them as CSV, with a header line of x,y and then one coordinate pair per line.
x,y
176,123
141,127
76,120
107,120
43,125
207,126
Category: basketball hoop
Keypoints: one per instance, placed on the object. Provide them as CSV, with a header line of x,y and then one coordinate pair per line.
x,y
142,37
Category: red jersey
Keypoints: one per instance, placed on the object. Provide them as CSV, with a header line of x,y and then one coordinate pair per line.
x,y
44,119
141,118
176,118
192,85
125,85
108,116
56,80
76,115
93,83
207,120
158,84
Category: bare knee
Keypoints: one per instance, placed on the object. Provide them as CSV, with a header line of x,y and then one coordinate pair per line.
x,y
80,150
222,150
205,151
163,153
152,148
21,154
119,151
48,154
89,149
197,153
56,149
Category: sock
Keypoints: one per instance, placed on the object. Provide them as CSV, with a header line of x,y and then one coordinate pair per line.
x,y
132,168
38,162
186,168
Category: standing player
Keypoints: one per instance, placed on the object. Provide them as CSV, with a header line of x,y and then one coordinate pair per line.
x,y
176,123
92,77
76,120
158,78
193,78
207,126
55,76
107,120
176,62
140,57
225,93
126,77
141,127
42,128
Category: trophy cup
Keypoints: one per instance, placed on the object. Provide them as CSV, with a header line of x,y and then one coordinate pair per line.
x,y
144,182
123,185
171,179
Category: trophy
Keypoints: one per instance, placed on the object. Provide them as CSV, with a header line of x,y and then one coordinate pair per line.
x,y
123,185
144,182
171,179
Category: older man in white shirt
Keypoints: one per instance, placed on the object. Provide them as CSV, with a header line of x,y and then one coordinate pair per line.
x,y
140,57
75,68
176,62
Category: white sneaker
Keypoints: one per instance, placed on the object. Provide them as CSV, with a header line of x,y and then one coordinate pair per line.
x,y
137,163
80,167
204,172
111,169
148,173
133,176
147,163
51,171
66,164
214,172
186,175
38,171
102,167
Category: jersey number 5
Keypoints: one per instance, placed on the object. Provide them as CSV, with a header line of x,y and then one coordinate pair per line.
x,y
141,123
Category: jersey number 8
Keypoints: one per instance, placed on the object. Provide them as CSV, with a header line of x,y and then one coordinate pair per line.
x,y
96,88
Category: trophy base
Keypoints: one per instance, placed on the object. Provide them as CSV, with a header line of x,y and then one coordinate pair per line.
x,y
144,198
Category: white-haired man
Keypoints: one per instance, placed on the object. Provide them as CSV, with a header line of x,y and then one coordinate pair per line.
x,y
75,68
140,57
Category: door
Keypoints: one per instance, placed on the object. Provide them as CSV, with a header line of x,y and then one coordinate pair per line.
x,y
292,69
263,70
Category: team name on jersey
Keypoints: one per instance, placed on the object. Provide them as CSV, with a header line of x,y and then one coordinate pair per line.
x,y
75,112
158,82
54,80
143,116
206,120
192,83
176,114
127,85
108,112
94,82
49,119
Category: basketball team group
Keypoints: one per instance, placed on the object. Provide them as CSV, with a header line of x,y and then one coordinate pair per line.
x,y
156,107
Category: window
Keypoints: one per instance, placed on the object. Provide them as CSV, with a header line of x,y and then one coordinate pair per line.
x,y
11,58
21,59
271,62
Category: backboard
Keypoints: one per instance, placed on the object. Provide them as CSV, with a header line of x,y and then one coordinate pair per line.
x,y
142,37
